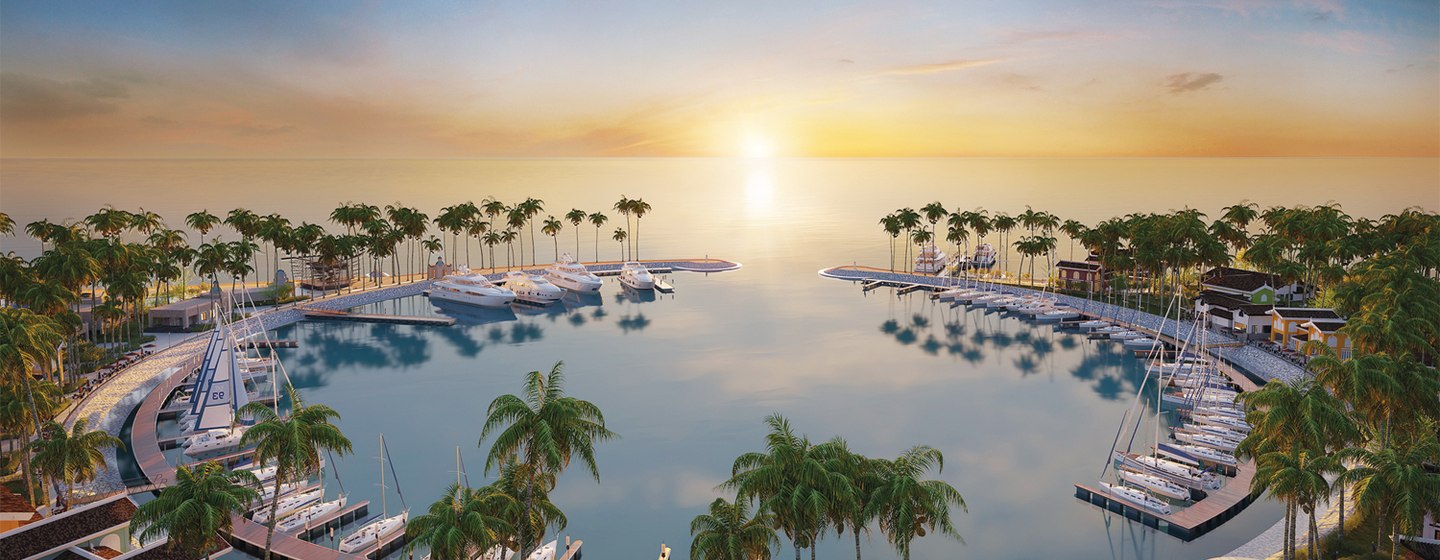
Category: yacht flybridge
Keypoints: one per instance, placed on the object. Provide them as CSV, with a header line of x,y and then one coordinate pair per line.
x,y
471,289
571,275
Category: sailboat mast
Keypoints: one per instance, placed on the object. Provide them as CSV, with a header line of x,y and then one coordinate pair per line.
x,y
384,511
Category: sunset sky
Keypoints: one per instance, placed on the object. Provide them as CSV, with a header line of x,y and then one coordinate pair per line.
x,y
606,78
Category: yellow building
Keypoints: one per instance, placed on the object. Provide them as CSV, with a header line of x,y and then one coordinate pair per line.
x,y
1287,324
1329,332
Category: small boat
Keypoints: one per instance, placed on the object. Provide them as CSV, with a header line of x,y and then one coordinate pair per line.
x,y
571,275
1233,424
1112,329
546,552
999,302
1142,343
532,289
1125,335
984,257
1154,484
267,491
288,505
497,552
1063,313
1094,324
950,294
1138,498
302,519
1228,410
1178,471
1206,440
635,275
372,532
1208,454
1217,431
214,440
931,260
471,289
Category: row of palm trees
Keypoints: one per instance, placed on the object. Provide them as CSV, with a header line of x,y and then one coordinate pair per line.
x,y
805,490
1368,424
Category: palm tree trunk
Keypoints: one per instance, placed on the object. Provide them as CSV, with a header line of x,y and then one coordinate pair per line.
x,y
857,543
274,507
29,481
637,237
797,551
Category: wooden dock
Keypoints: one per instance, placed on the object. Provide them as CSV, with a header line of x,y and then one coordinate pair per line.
x,y
1190,523
269,344
664,287
330,315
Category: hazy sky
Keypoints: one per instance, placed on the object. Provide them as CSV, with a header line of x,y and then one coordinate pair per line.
x,y
607,78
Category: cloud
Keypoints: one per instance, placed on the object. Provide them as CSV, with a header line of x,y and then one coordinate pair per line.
x,y
940,67
27,97
1191,81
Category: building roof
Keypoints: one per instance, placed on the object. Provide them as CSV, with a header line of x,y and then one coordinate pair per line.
x,y
1239,279
56,532
1321,313
191,305
1220,299
1221,312
1325,326
1077,265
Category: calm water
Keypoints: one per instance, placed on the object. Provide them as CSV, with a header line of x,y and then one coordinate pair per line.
x,y
1020,412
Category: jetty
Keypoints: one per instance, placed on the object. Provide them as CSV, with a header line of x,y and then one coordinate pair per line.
x,y
1194,520
337,315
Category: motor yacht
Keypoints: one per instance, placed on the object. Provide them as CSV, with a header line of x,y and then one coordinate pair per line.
x,y
532,289
984,256
571,275
471,289
635,275
931,260
214,440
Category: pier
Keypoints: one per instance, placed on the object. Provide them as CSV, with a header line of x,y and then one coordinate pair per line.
x,y
335,315
269,344
1190,523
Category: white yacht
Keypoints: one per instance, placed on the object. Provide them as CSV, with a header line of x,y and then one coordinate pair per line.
x,y
1154,484
1094,324
1232,424
373,532
1217,431
571,275
546,552
267,491
984,256
288,505
497,552
1060,314
1208,454
313,514
214,440
1137,498
532,289
636,276
1180,471
472,289
1125,335
1207,440
931,260
1141,343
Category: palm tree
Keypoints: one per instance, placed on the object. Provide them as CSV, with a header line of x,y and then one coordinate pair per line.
x,y
202,221
891,224
790,480
956,233
1393,484
524,484
1003,224
551,227
516,220
597,219
491,239
196,508
576,216
1074,230
22,405
531,207
934,212
452,220
476,228
728,532
543,430
864,475
619,236
639,208
508,236
294,443
1296,476
907,506
909,220
461,524
623,207
71,457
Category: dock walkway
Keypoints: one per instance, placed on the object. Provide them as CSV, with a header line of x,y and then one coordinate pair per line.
x,y
337,315
1245,366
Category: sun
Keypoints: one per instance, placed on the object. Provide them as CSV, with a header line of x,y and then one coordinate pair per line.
x,y
756,146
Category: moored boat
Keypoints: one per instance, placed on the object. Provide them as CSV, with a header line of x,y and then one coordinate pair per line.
x,y
569,274
636,276
1138,498
532,289
471,289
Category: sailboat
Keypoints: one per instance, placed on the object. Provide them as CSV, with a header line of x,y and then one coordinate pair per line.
x,y
372,533
289,505
1137,497
1153,483
302,518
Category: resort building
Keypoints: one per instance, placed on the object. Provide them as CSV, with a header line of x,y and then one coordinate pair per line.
x,y
1235,315
1087,275
1290,327
1255,287
14,510
1329,332
183,314
98,531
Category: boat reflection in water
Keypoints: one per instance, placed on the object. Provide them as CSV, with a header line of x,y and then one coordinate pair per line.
x,y
473,315
632,295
